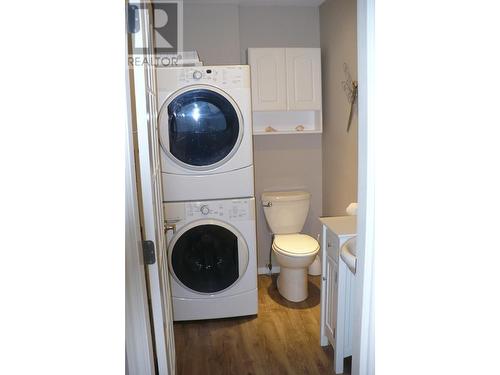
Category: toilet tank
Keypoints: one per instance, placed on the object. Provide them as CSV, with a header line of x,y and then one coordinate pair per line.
x,y
286,211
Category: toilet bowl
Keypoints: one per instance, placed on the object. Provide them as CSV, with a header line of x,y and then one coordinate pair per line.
x,y
286,213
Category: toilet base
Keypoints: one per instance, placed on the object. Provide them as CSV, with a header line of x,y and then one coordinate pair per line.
x,y
292,283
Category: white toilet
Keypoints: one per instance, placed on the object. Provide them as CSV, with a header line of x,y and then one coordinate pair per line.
x,y
286,213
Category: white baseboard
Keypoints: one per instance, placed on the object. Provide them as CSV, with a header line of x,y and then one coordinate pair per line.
x,y
265,270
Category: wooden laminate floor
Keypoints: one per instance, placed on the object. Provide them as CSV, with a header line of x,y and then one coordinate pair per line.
x,y
282,339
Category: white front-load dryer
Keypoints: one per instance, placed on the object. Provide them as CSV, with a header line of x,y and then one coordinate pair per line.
x,y
205,128
212,258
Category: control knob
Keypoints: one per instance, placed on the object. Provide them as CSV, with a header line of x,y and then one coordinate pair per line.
x,y
205,209
197,74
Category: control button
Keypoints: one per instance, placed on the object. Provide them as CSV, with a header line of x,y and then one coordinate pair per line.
x,y
205,210
197,74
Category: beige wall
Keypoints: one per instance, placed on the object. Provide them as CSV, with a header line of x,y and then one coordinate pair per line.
x,y
213,31
278,26
281,161
287,162
338,45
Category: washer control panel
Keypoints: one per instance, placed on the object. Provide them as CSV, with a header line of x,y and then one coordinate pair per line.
x,y
234,209
226,210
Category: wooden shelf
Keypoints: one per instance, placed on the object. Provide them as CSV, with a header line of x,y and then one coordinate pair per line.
x,y
285,122
287,132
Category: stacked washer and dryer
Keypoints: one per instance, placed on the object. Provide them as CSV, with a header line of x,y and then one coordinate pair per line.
x,y
205,128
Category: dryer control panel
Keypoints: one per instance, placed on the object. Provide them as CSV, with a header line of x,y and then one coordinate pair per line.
x,y
227,210
222,76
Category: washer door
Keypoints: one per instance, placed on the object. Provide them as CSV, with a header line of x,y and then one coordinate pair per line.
x,y
200,127
208,256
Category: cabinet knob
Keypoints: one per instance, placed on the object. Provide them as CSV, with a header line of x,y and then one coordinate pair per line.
x,y
324,278
329,244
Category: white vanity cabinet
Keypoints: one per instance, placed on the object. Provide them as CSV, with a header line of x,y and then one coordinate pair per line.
x,y
286,90
337,289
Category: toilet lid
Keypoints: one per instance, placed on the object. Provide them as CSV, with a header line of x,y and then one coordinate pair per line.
x,y
295,244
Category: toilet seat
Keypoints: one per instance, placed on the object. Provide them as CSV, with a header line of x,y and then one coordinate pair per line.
x,y
295,245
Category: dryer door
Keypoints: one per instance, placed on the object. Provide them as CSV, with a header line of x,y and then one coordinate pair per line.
x,y
200,127
208,256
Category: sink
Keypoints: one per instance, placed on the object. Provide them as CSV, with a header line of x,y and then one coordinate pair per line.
x,y
348,254
351,247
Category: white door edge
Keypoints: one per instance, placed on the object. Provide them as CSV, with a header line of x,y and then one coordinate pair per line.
x,y
363,362
144,94
138,341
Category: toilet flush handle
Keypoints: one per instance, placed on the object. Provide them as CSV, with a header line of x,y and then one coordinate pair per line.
x,y
267,204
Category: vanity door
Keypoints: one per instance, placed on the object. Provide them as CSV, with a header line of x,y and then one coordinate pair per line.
x,y
329,290
331,300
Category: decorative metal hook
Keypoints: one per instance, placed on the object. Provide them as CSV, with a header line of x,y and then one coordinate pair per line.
x,y
350,88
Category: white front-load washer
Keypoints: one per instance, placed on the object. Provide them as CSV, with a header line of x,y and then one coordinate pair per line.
x,y
205,127
212,258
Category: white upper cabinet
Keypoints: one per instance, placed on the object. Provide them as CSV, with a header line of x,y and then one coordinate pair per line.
x,y
286,90
268,75
303,77
285,79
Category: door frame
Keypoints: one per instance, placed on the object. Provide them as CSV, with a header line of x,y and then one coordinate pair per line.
x,y
363,360
138,341
144,132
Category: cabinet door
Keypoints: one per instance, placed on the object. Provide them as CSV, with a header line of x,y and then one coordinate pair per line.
x,y
268,74
331,300
332,246
303,74
348,309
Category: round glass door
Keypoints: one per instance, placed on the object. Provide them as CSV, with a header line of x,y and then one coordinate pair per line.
x,y
205,258
203,128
